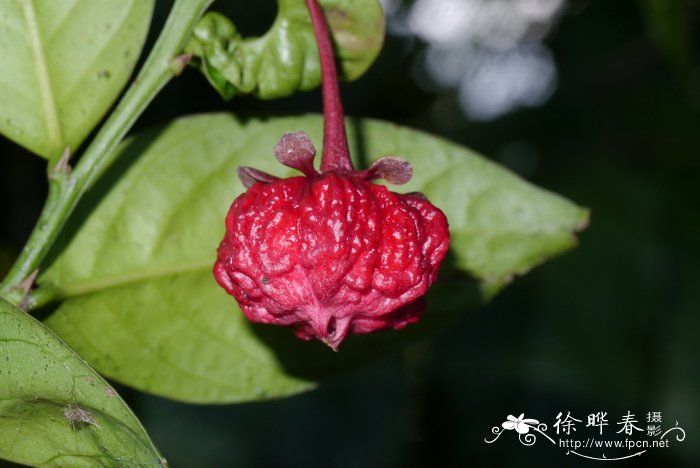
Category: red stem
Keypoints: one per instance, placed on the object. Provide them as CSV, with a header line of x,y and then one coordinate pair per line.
x,y
336,156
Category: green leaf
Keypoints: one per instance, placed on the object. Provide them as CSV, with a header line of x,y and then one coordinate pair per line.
x,y
285,59
135,266
63,64
57,411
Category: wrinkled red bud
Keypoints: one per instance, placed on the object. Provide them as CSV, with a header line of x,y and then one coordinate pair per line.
x,y
330,253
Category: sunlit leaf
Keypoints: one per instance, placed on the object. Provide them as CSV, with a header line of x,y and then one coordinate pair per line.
x,y
135,265
285,59
57,411
63,64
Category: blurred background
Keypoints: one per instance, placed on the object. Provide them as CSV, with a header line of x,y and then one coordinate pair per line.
x,y
596,100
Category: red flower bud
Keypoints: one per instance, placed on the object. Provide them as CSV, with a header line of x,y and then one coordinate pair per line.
x,y
330,253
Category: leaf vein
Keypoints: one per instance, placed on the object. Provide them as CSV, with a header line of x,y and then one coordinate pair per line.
x,y
53,125
69,291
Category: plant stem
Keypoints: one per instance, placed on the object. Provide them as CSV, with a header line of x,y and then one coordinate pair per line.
x,y
66,188
336,155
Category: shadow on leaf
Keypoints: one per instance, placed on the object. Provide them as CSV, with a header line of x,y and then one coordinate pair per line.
x,y
446,302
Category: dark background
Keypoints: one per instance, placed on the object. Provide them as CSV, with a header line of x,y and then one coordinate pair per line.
x,y
611,326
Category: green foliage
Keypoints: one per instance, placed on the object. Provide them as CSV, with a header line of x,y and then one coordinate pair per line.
x,y
131,273
670,25
57,411
63,65
134,268
285,59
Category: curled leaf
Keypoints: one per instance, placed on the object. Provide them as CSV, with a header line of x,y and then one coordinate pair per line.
x,y
285,59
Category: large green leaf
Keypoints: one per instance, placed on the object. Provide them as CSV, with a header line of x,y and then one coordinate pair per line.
x,y
285,59
135,266
57,411
63,64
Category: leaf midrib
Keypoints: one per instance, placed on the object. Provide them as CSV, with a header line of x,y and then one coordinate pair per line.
x,y
74,289
53,127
